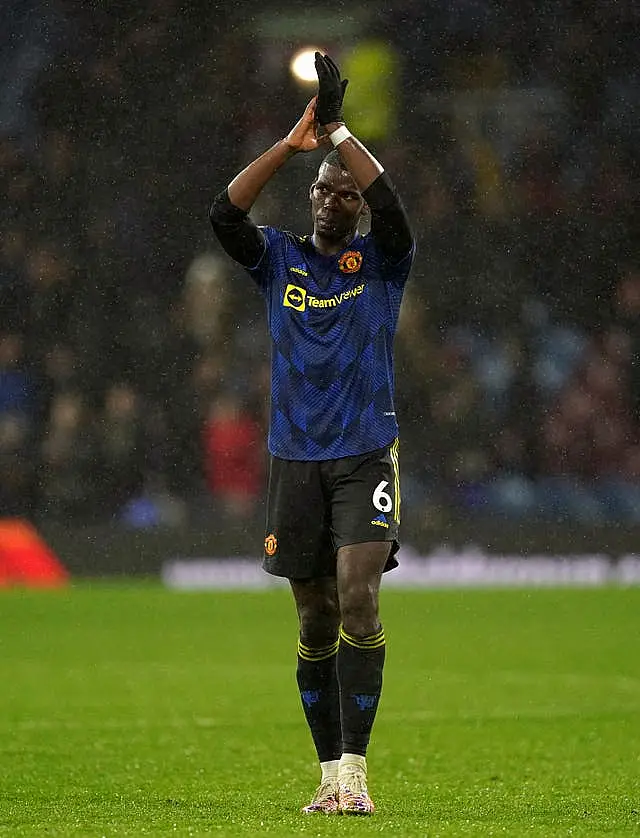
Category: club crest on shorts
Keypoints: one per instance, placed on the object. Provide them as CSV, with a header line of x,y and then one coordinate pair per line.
x,y
350,262
270,544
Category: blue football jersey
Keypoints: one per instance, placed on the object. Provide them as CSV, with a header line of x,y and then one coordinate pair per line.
x,y
332,321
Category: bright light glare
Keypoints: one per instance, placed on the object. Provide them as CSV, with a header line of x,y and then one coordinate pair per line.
x,y
303,66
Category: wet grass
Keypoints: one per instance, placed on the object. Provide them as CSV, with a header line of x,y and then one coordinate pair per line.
x,y
130,710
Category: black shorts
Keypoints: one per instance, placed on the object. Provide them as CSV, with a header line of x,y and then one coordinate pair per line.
x,y
313,508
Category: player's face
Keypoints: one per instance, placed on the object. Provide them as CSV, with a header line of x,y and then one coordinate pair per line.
x,y
336,203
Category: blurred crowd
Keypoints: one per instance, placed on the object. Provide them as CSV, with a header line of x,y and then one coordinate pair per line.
x,y
134,359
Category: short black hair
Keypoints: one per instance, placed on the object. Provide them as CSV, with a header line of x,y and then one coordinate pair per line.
x,y
334,159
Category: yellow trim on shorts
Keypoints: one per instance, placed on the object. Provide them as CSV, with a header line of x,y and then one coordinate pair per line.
x,y
393,451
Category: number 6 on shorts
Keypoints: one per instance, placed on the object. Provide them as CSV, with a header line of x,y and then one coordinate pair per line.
x,y
386,497
381,500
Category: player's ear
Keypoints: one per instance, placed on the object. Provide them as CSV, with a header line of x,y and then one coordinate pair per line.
x,y
311,189
365,211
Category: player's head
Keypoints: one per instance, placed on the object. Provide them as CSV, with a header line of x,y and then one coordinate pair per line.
x,y
336,202
333,158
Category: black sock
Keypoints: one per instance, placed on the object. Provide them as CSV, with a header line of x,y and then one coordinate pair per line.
x,y
360,665
318,685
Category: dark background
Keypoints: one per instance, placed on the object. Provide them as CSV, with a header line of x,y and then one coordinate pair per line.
x,y
133,354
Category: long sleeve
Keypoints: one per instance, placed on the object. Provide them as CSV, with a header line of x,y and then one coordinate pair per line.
x,y
236,232
389,222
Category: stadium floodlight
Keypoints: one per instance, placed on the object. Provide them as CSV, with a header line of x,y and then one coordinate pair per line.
x,y
302,65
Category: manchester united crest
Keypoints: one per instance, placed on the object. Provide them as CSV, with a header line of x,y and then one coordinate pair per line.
x,y
270,544
350,262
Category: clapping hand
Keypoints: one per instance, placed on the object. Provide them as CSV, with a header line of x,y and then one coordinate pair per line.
x,y
304,134
331,89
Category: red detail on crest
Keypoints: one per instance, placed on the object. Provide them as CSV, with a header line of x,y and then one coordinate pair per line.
x,y
350,262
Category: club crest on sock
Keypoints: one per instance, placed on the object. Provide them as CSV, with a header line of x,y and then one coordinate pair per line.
x,y
310,697
365,702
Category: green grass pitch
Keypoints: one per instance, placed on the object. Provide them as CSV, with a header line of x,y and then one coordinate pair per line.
x,y
130,710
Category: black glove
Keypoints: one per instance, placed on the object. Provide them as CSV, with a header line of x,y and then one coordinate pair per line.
x,y
330,91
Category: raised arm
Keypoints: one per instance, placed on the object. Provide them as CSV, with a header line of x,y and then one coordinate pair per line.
x,y
389,221
247,185
229,212
362,165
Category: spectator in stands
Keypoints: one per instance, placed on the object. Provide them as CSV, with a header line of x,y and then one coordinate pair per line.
x,y
16,465
14,292
586,437
52,299
234,456
206,301
17,427
16,384
626,312
66,488
121,447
